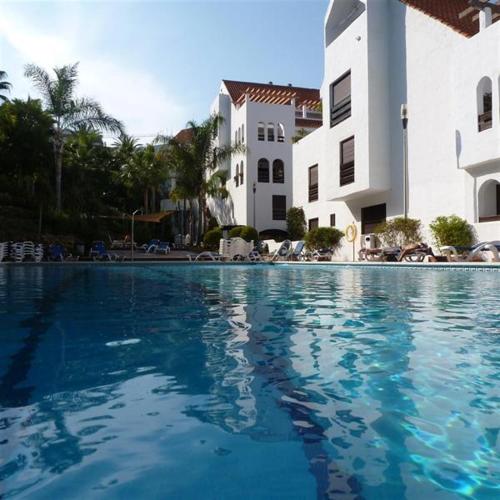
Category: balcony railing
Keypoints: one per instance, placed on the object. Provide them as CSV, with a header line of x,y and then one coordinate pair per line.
x,y
313,192
347,173
485,121
340,111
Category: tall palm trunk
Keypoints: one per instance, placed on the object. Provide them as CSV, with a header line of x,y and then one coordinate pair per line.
x,y
58,157
153,199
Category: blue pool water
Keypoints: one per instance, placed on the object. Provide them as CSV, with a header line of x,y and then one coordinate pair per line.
x,y
258,382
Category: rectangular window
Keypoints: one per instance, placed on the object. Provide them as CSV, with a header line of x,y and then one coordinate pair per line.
x,y
313,183
261,132
313,224
347,161
332,220
270,132
371,217
279,207
340,99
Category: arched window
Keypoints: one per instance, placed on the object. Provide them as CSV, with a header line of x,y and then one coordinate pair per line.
x,y
484,104
261,131
281,133
241,173
489,201
278,172
243,133
263,170
270,132
237,176
236,137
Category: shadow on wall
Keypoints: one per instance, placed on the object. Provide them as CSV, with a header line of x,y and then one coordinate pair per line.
x,y
398,96
458,146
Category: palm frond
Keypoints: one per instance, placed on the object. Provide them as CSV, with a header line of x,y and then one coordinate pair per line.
x,y
88,111
42,81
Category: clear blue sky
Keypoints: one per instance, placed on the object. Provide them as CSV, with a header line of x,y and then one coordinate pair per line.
x,y
156,65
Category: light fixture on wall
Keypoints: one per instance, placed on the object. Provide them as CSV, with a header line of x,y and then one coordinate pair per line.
x,y
404,122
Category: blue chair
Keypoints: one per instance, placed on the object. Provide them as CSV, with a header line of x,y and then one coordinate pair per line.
x,y
98,251
56,252
163,247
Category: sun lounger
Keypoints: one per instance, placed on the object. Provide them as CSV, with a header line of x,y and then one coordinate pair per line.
x,y
163,247
98,252
297,250
473,253
283,252
4,250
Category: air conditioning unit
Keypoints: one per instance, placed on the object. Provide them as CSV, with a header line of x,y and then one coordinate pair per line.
x,y
369,241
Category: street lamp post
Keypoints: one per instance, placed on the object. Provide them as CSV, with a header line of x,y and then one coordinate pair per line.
x,y
139,210
404,121
254,189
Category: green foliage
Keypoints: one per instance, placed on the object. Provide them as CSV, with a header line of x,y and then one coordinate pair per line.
x,y
399,232
296,223
249,233
5,86
323,237
25,150
452,230
212,238
236,232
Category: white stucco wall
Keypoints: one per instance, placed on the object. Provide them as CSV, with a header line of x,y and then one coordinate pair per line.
x,y
397,55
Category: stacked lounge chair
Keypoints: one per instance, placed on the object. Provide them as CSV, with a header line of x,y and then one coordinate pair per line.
x,y
4,250
476,252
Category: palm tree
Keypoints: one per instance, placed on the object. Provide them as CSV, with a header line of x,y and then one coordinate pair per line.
x,y
196,165
68,112
4,85
144,169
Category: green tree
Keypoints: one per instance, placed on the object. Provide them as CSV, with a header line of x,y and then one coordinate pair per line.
x,y
399,231
296,223
5,86
323,237
196,166
25,149
68,111
145,169
452,230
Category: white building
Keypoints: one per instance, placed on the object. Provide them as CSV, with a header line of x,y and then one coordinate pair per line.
x,y
264,118
442,59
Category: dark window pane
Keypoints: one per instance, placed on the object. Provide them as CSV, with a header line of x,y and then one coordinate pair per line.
x,y
332,220
341,89
340,100
279,207
263,170
313,223
347,161
313,183
371,217
278,172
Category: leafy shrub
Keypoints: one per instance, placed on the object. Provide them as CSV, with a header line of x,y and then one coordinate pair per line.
x,y
323,237
296,223
399,232
452,230
212,238
236,232
249,233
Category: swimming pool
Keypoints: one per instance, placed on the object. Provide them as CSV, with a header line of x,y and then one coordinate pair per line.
x,y
222,382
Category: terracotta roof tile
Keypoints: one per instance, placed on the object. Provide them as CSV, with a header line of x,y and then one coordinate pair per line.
x,y
451,13
183,136
272,94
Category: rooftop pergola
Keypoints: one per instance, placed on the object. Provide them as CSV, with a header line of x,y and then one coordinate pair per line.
x,y
477,5
275,96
